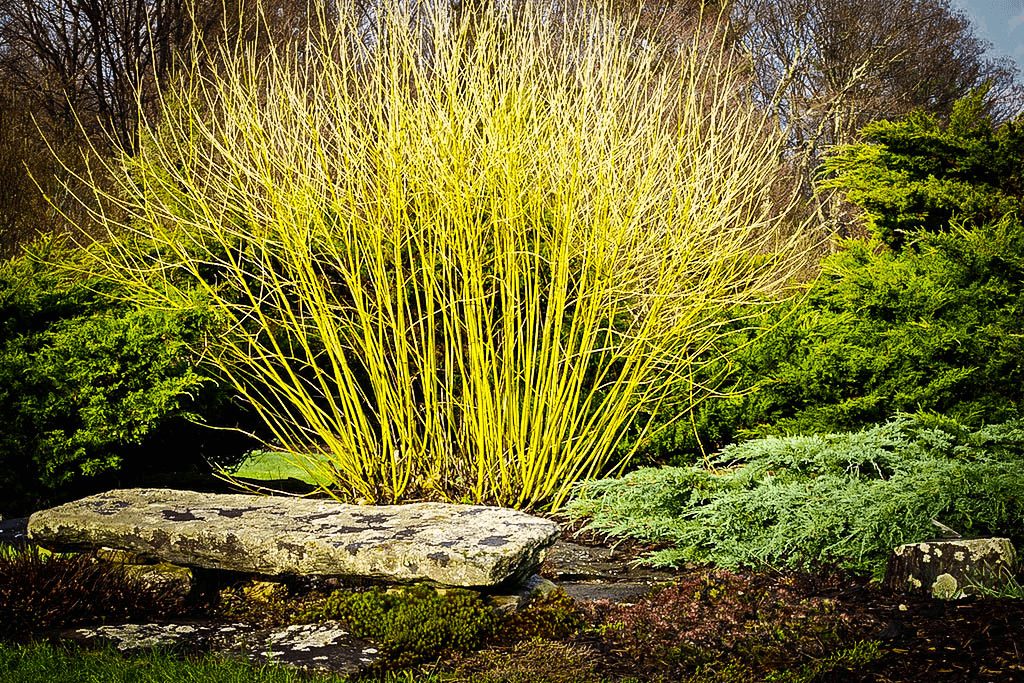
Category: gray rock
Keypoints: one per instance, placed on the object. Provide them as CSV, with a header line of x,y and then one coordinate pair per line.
x,y
14,531
533,588
591,574
567,561
136,637
326,646
951,568
620,592
456,545
162,577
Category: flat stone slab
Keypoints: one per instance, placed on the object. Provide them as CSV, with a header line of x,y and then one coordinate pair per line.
x,y
592,574
323,647
455,545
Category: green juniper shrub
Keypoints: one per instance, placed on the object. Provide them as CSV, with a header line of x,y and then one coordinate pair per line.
x,y
925,317
95,391
842,499
919,173
42,592
413,623
933,328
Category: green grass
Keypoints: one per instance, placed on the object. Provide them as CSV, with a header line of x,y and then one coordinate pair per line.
x,y
44,663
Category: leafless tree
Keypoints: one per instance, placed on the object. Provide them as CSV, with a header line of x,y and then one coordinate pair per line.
x,y
827,67
80,72
99,62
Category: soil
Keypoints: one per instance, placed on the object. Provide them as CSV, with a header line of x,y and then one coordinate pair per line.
x,y
719,618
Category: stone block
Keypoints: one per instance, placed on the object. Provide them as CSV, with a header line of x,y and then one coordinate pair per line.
x,y
326,647
455,545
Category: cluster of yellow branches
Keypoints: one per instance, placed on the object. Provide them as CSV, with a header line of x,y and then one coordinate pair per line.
x,y
457,258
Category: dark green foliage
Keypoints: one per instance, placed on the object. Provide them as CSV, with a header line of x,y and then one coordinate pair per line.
x,y
414,623
843,499
554,616
41,592
934,328
918,174
91,384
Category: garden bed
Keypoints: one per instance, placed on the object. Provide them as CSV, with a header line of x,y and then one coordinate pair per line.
x,y
694,624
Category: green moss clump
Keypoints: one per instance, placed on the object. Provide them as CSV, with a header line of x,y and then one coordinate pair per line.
x,y
554,616
411,624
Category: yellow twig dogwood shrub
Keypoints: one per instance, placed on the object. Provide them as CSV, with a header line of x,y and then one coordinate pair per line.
x,y
457,256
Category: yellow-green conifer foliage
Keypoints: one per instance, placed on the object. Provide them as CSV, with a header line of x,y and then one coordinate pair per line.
x,y
458,255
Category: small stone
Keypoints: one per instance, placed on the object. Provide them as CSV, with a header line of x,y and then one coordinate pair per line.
x,y
327,646
951,568
136,637
163,577
525,593
116,556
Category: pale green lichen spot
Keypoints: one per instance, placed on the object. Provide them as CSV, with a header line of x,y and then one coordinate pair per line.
x,y
945,587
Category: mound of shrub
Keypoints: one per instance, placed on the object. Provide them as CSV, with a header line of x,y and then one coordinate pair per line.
x,y
457,265
95,390
922,173
836,499
932,328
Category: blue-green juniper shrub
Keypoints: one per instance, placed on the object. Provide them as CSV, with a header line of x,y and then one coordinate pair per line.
x,y
801,502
